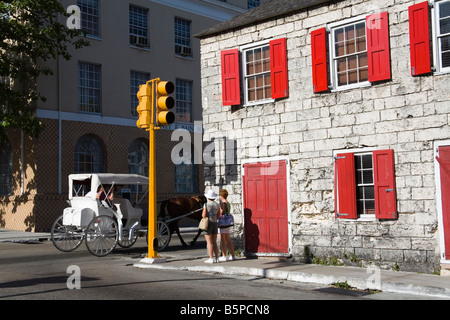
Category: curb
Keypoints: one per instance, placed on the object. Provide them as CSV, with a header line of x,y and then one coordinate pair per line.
x,y
303,277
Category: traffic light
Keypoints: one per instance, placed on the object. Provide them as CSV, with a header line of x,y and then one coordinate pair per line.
x,y
144,109
164,117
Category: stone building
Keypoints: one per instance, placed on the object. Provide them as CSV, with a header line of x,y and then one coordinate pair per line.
x,y
330,122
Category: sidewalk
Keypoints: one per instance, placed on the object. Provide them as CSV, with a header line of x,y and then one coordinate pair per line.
x,y
192,259
7,235
360,278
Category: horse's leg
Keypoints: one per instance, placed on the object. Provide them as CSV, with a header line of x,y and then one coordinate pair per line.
x,y
195,239
177,230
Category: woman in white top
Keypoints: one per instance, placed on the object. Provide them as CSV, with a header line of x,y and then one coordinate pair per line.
x,y
213,211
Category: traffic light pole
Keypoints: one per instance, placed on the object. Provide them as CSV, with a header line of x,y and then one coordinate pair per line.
x,y
152,213
153,109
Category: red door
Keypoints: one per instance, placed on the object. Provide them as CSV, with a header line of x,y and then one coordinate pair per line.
x,y
265,207
444,163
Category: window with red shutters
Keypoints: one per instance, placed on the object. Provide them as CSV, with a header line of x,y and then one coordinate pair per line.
x,y
419,38
278,68
264,73
231,92
360,53
365,185
378,52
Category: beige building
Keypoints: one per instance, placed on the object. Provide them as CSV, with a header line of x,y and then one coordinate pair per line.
x,y
90,113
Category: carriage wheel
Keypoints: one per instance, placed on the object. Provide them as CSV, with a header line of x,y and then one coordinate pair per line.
x,y
102,235
126,242
163,234
66,238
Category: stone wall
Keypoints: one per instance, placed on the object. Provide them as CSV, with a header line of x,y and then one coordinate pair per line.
x,y
406,114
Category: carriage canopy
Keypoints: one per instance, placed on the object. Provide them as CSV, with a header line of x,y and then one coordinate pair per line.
x,y
98,179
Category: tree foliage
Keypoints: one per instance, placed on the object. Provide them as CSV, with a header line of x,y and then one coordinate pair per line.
x,y
31,33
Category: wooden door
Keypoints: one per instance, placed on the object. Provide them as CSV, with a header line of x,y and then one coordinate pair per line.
x,y
265,207
444,166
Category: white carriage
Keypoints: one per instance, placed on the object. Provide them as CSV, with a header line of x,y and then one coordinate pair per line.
x,y
104,221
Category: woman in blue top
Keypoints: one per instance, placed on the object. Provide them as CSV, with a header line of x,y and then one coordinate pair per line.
x,y
213,211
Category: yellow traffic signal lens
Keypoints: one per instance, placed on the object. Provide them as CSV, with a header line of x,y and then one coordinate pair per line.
x,y
166,102
165,87
165,118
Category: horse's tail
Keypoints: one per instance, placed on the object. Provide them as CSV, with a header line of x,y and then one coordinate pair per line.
x,y
162,208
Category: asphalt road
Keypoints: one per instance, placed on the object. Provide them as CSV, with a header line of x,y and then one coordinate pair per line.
x,y
38,271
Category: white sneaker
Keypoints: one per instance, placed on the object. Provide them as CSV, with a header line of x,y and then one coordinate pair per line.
x,y
222,258
210,260
231,258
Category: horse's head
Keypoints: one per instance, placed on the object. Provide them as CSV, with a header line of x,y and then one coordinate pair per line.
x,y
202,199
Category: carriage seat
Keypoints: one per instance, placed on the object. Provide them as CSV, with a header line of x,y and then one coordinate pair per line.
x,y
127,210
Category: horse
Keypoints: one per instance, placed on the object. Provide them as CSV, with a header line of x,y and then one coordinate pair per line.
x,y
177,207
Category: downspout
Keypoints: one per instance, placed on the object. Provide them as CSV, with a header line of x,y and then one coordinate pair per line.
x,y
22,164
59,127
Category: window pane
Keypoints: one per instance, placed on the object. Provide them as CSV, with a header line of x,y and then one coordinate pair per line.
x,y
258,73
444,10
367,161
361,44
367,176
446,59
342,79
350,47
364,74
352,62
342,65
339,35
369,193
258,66
250,56
352,77
361,30
350,42
340,50
444,25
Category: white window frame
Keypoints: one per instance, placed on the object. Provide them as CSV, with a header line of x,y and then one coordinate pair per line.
x,y
437,56
332,59
243,50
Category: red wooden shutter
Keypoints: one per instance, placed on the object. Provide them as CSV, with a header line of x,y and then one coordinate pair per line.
x,y
384,182
319,60
231,92
278,68
378,52
419,39
345,186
